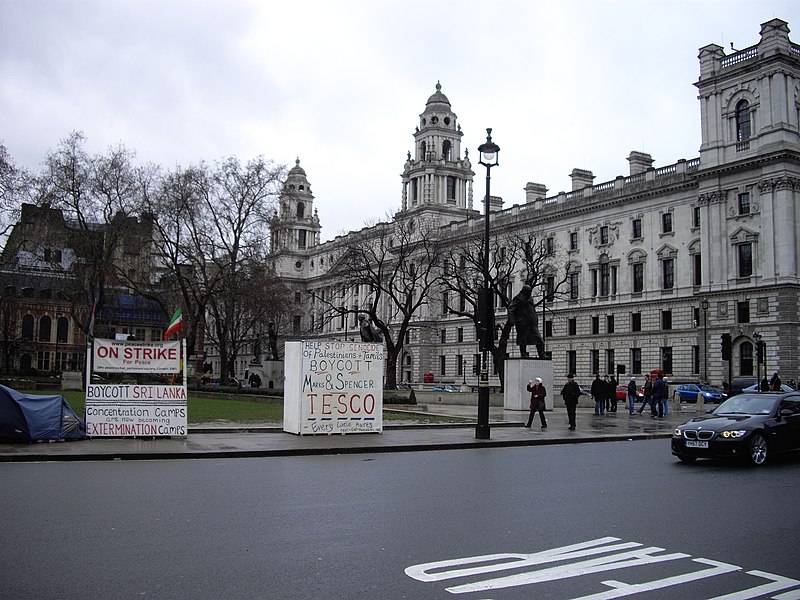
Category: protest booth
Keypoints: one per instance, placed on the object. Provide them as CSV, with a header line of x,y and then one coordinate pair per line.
x,y
333,387
136,409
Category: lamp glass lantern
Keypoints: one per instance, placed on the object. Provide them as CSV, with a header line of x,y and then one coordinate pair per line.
x,y
489,151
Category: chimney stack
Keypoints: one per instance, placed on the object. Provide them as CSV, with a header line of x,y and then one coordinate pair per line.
x,y
535,191
581,178
640,162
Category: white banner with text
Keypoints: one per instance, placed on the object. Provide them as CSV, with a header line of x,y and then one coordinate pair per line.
x,y
125,410
124,356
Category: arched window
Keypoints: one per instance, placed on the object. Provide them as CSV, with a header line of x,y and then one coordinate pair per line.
x,y
423,148
44,329
301,210
745,358
742,121
27,327
447,149
62,330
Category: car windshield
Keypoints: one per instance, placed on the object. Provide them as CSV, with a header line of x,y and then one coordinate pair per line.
x,y
707,388
745,404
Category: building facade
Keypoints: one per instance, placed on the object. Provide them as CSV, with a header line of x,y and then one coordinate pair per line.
x,y
44,309
660,262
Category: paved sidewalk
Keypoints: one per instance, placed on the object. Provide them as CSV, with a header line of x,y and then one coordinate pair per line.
x,y
506,429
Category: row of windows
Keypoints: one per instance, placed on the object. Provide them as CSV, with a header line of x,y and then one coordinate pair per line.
x,y
743,207
604,277
610,358
634,365
45,333
45,329
742,316
46,361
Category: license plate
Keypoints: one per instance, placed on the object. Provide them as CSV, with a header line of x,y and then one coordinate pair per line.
x,y
696,444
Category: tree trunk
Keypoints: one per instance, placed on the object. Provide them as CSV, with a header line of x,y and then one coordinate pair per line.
x,y
391,371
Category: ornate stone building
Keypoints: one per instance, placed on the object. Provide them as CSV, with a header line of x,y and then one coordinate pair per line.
x,y
661,262
43,306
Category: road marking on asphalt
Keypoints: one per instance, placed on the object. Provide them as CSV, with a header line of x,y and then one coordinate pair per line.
x,y
627,589
780,583
618,555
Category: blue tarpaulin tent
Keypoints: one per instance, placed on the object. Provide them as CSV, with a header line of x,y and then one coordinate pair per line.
x,y
30,417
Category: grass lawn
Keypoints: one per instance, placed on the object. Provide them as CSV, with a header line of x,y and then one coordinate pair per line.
x,y
212,410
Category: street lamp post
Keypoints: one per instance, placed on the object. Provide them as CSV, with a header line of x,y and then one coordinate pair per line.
x,y
757,338
488,158
464,371
704,306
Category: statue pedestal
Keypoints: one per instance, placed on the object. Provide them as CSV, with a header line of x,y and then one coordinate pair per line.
x,y
518,372
270,372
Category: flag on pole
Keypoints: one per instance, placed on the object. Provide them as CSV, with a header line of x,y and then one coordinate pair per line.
x,y
175,324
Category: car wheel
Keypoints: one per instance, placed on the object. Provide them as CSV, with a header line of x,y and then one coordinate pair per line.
x,y
757,449
687,459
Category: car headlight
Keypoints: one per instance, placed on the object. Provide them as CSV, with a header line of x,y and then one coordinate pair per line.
x,y
677,433
734,434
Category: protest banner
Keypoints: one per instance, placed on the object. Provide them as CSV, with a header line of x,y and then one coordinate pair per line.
x,y
333,387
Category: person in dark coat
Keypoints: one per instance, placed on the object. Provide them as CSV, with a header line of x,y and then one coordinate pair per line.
x,y
631,395
599,390
775,383
538,394
522,313
612,394
571,392
659,395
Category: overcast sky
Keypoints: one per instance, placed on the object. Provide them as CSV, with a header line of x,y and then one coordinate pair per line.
x,y
341,84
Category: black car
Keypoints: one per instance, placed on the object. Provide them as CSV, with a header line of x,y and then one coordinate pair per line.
x,y
747,426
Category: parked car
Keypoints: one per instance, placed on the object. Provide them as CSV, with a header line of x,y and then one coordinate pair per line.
x,y
752,427
754,388
687,392
445,388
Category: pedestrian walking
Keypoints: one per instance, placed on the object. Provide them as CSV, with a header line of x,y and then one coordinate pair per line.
x,y
647,399
570,393
538,394
659,391
631,395
599,391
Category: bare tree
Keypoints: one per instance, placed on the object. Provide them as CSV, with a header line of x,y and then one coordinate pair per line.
x,y
397,265
523,253
230,232
183,245
99,196
15,187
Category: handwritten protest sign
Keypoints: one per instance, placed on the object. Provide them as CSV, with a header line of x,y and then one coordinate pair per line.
x,y
333,387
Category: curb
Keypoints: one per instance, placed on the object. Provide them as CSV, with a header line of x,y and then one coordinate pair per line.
x,y
478,444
